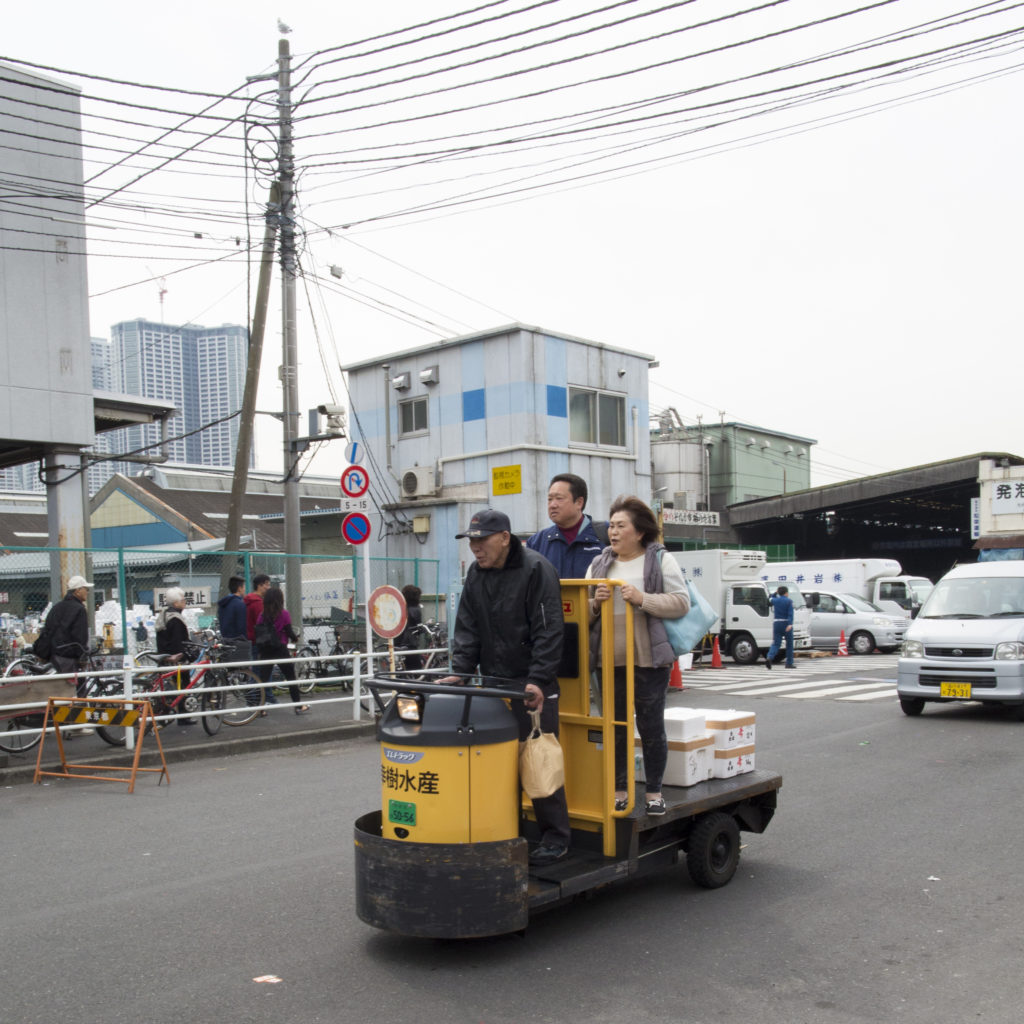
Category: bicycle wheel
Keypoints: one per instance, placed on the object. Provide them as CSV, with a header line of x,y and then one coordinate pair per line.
x,y
146,658
306,671
14,737
28,667
243,704
212,702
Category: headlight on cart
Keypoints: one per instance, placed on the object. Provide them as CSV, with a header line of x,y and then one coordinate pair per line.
x,y
410,707
1010,652
912,649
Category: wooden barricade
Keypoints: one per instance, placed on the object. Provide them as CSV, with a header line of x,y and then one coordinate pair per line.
x,y
112,712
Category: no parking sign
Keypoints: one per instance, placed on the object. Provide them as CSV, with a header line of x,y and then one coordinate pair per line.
x,y
355,528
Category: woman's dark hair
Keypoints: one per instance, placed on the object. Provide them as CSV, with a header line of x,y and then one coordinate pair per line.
x,y
273,605
643,519
411,593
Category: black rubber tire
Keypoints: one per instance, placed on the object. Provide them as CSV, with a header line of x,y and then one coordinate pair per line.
x,y
862,642
241,706
13,738
913,705
743,650
306,671
115,739
29,667
713,853
212,702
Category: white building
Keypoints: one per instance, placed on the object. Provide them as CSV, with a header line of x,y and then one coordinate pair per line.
x,y
488,419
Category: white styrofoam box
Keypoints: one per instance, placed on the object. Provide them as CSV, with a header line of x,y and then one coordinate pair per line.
x,y
734,761
684,723
689,761
730,728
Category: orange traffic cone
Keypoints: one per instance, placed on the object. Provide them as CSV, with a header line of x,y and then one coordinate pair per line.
x,y
716,655
675,679
843,652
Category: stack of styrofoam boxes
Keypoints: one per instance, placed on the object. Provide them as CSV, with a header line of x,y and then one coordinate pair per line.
x,y
732,733
689,748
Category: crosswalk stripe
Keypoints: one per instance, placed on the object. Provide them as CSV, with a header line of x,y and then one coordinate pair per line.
x,y
781,688
833,690
813,678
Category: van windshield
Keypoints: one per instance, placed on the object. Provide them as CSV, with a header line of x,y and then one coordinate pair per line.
x,y
976,597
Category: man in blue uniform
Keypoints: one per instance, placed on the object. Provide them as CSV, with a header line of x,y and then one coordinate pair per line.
x,y
782,626
572,543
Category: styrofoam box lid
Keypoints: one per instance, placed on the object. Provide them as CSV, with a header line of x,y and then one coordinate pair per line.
x,y
728,719
684,714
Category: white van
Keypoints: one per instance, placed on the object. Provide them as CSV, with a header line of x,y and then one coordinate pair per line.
x,y
968,641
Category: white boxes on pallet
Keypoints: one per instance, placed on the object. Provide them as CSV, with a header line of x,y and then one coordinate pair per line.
x,y
684,724
730,728
732,761
689,761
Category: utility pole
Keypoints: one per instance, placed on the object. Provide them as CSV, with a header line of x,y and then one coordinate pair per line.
x,y
243,452
289,363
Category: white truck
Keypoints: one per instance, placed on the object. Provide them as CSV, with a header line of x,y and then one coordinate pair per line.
x,y
878,580
732,584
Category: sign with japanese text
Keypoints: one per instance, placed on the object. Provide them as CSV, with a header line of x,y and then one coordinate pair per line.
x,y
507,480
1008,498
689,517
194,596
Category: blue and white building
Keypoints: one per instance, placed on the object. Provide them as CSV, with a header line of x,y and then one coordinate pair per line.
x,y
488,419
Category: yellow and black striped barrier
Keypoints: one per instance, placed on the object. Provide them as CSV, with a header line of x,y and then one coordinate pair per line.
x,y
128,714
114,715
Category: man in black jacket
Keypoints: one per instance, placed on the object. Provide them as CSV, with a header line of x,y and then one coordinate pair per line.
x,y
68,624
509,624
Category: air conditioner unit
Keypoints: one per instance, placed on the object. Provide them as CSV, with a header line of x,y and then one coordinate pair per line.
x,y
419,482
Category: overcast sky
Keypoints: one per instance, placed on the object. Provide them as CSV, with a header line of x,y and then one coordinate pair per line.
x,y
843,266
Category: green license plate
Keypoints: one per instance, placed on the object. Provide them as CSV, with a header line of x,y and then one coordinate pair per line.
x,y
400,812
959,690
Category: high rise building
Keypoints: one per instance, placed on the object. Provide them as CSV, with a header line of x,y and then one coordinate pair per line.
x,y
200,369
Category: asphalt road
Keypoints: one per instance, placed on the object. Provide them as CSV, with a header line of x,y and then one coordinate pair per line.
x,y
884,890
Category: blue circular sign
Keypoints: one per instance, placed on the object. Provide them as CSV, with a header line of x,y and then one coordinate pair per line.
x,y
355,528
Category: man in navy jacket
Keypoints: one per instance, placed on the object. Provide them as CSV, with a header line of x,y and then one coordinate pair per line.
x,y
572,543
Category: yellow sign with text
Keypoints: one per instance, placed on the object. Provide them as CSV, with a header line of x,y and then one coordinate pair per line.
x,y
507,480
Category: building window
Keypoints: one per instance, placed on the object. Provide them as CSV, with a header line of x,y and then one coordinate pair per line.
x,y
412,416
597,417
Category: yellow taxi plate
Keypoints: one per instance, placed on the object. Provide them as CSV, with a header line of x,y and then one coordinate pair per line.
x,y
960,690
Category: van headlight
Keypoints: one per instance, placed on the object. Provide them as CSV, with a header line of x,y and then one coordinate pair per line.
x,y
878,620
912,649
1010,652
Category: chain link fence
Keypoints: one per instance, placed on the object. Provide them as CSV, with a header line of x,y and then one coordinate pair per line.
x,y
130,587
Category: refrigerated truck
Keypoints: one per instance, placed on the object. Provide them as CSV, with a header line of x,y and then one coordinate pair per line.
x,y
878,580
732,583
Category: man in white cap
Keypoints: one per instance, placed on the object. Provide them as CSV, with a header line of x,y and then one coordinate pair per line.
x,y
68,626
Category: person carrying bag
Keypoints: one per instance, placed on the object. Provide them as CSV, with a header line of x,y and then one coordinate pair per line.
x,y
541,763
271,634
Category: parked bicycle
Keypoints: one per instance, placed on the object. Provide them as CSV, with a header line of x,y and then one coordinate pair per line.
x,y
16,736
170,694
